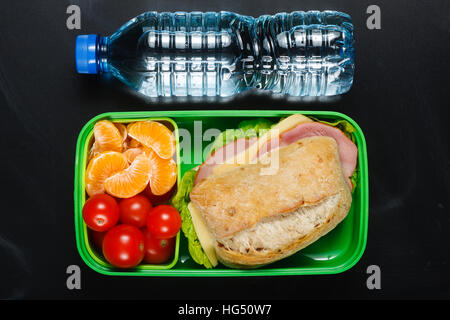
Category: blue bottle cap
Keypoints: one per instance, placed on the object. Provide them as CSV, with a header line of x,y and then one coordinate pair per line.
x,y
85,53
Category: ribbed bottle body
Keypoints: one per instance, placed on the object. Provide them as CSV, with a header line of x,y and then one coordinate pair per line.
x,y
221,54
305,53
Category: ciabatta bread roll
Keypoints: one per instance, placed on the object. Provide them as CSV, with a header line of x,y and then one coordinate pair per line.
x,y
255,219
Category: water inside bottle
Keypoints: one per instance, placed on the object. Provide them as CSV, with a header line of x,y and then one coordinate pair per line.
x,y
220,54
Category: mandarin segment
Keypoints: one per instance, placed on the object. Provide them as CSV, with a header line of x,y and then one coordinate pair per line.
x,y
132,143
153,135
132,180
132,153
129,125
92,152
163,173
122,130
107,137
101,167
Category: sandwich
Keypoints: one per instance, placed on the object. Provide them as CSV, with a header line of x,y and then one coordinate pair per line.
x,y
267,191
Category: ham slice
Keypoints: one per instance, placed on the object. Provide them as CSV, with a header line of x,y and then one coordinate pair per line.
x,y
222,154
348,151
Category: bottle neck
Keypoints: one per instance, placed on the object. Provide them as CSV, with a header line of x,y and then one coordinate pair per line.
x,y
102,54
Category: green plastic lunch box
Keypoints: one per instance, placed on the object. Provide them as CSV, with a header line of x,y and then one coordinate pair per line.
x,y
335,252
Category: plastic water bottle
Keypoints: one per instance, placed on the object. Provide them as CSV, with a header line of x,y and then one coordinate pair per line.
x,y
220,54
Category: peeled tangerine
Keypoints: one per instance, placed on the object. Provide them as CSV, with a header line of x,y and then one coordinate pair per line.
x,y
122,130
132,153
101,167
163,173
108,137
153,135
126,174
130,181
146,168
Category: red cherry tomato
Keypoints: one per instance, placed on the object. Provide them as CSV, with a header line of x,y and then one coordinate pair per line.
x,y
101,212
123,246
164,222
157,250
155,200
135,210
97,238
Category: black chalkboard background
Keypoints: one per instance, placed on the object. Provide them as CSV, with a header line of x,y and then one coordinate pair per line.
x,y
399,98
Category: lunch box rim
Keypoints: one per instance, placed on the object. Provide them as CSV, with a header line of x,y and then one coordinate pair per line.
x,y
171,117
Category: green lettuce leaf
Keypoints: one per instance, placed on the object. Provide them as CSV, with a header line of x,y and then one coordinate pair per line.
x,y
256,126
180,201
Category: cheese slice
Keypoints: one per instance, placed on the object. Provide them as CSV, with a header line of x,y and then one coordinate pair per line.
x,y
250,153
203,234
